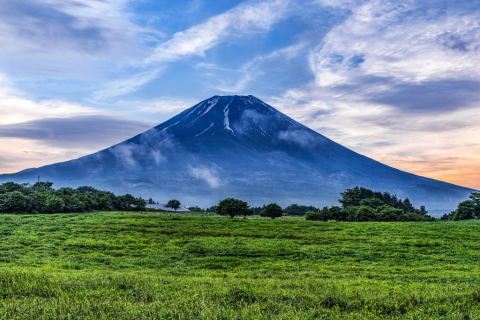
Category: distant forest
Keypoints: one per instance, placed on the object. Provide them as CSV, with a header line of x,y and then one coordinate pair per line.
x,y
357,204
42,198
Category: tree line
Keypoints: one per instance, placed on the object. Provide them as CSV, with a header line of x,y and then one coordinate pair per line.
x,y
291,210
41,197
357,204
362,204
468,209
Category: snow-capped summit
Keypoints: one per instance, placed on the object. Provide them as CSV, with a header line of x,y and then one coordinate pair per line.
x,y
239,146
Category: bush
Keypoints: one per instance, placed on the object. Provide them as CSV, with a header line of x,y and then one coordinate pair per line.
x,y
272,210
233,207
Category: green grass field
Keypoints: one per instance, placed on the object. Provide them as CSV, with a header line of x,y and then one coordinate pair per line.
x,y
171,266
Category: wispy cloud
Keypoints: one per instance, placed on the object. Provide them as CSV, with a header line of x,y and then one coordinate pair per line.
x,y
56,38
124,86
164,105
260,65
79,132
244,19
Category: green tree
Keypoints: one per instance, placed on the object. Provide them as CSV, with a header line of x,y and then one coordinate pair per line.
x,y
388,213
372,202
422,211
85,189
351,197
337,213
320,215
174,204
16,202
71,200
105,200
465,210
272,210
3,203
139,204
475,198
42,186
36,202
54,203
232,207
12,186
195,209
88,200
298,210
365,213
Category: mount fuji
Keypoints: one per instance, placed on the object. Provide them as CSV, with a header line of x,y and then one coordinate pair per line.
x,y
239,146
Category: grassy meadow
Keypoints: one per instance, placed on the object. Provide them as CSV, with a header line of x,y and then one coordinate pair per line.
x,y
106,265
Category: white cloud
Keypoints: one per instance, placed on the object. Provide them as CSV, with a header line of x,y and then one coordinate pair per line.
x,y
124,86
34,134
163,105
415,143
16,109
400,41
302,137
210,176
399,82
338,3
69,39
244,19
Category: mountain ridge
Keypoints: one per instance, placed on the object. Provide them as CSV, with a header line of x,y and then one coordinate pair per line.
x,y
239,146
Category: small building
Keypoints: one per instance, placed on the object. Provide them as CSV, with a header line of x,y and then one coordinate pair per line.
x,y
162,207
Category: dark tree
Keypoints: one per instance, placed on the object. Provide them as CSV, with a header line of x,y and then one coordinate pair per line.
x,y
365,213
422,211
337,213
407,206
351,197
12,186
475,198
42,198
257,210
42,186
320,215
446,216
233,207
54,203
195,209
249,212
272,210
3,203
211,209
465,211
298,210
16,202
372,202
388,213
174,204
85,189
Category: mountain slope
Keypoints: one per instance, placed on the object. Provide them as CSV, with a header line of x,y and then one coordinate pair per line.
x,y
238,146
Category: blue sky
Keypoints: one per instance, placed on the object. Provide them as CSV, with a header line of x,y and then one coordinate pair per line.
x,y
396,81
